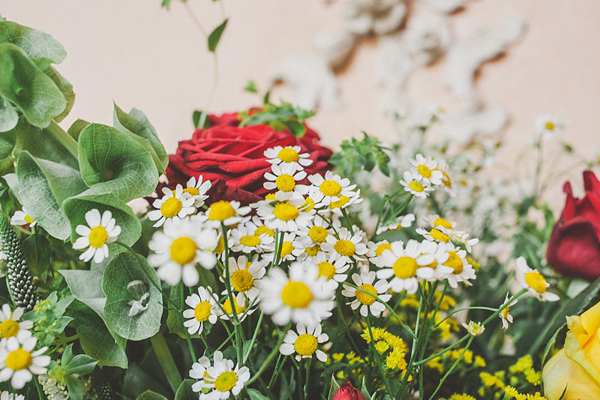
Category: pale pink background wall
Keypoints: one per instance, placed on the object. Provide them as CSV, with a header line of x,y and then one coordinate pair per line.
x,y
139,55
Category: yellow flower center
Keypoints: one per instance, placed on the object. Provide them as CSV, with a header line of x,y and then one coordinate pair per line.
x,y
183,250
288,154
285,211
344,247
416,186
536,281
446,180
405,267
549,126
340,203
285,183
250,240
220,246
238,309
9,328
270,196
296,295
226,381
286,249
193,191
454,262
439,221
424,171
318,234
330,188
439,236
308,205
242,280
382,247
18,359
98,236
220,211
326,269
171,207
313,250
505,312
28,219
366,298
264,230
202,311
305,344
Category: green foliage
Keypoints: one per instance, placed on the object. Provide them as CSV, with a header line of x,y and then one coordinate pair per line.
x,y
184,391
254,394
48,316
357,155
79,364
281,117
175,317
333,388
150,395
39,46
66,89
9,117
251,87
215,36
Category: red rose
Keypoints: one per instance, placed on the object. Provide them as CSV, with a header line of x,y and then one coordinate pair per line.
x,y
574,246
233,158
348,392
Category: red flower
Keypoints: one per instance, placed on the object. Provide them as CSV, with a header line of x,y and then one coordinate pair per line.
x,y
232,157
574,246
348,392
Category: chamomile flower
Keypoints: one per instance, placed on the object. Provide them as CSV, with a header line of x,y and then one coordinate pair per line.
x,y
202,310
474,328
462,238
11,396
285,178
333,270
406,265
101,230
533,281
245,274
243,307
404,221
9,322
172,207
18,361
178,249
291,247
299,297
548,126
330,188
366,301
226,212
197,190
21,218
222,379
414,185
375,250
437,234
288,155
426,169
305,343
505,313
440,257
336,207
247,238
457,260
346,245
286,213
315,232
447,182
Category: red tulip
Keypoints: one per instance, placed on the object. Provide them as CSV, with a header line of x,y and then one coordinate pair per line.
x,y
574,246
348,392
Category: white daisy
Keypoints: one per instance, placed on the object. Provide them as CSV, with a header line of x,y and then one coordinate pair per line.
x,y
202,310
457,260
346,245
18,361
414,185
286,213
197,190
11,396
227,212
336,207
426,169
329,189
305,342
462,238
245,275
9,322
533,281
288,155
285,178
548,126
301,297
244,306
474,328
447,182
505,313
221,379
22,218
404,221
406,265
366,301
333,270
315,232
173,206
375,250
100,231
440,257
246,238
178,249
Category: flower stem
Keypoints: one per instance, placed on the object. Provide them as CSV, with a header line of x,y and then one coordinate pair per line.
x,y
270,357
462,354
63,138
165,359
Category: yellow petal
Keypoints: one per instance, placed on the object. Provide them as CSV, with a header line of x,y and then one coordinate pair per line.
x,y
560,372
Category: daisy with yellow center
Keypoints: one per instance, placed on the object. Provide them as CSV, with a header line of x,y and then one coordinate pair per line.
x,y
290,155
315,232
100,230
245,275
505,313
287,212
244,306
18,360
201,311
172,207
447,182
426,168
462,271
284,178
305,342
440,256
248,238
346,245
364,298
9,322
375,250
548,126
329,189
219,381
22,218
226,212
533,281
178,249
474,328
415,185
299,297
402,222
405,265
336,207
197,190
331,269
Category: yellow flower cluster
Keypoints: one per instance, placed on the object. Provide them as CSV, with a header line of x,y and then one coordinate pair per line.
x,y
350,358
525,365
522,368
385,341
448,358
462,396
512,393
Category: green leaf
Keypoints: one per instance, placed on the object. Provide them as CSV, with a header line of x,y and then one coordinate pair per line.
x,y
36,44
165,4
254,394
196,115
74,387
251,87
76,127
123,269
67,355
175,318
37,250
333,388
42,144
137,124
150,395
8,117
113,162
80,364
184,391
364,391
28,87
75,208
296,128
65,87
215,36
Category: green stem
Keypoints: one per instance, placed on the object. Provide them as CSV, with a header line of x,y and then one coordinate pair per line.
x,y
277,369
307,378
349,223
346,329
270,357
63,138
258,326
462,354
464,309
187,334
165,359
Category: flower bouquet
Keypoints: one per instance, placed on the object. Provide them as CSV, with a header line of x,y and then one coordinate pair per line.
x,y
266,267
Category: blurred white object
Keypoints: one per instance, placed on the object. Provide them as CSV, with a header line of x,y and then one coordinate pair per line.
x,y
378,16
